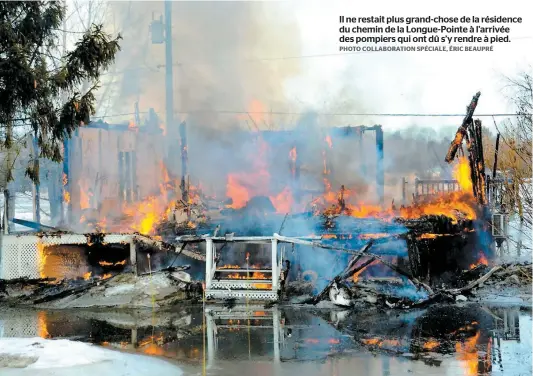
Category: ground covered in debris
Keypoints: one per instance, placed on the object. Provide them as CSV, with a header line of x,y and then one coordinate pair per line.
x,y
164,288
506,283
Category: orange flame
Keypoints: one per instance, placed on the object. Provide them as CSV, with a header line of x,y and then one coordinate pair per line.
x,y
283,201
468,353
42,322
381,342
230,267
482,260
461,173
242,186
358,273
449,204
85,196
145,215
262,286
105,263
87,276
254,275
373,236
328,141
430,345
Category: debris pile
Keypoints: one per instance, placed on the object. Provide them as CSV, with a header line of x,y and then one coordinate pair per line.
x,y
158,289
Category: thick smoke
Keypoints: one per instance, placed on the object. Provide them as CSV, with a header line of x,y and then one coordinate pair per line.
x,y
217,52
220,54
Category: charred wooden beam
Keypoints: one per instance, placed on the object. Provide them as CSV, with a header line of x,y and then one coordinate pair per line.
x,y
184,163
461,132
494,168
342,275
477,163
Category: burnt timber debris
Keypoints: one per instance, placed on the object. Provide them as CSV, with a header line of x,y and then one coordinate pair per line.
x,y
416,258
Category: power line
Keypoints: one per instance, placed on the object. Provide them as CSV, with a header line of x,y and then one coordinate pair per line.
x,y
316,113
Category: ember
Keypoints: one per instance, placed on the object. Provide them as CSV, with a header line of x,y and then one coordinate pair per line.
x,y
430,345
105,263
482,260
254,275
358,273
373,236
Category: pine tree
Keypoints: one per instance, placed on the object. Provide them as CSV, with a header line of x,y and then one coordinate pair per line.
x,y
40,93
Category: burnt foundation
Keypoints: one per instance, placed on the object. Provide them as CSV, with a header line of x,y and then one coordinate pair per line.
x,y
83,261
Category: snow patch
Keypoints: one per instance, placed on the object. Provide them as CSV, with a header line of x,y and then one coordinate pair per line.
x,y
87,358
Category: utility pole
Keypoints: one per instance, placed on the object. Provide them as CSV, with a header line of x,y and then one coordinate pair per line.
x,y
169,78
173,132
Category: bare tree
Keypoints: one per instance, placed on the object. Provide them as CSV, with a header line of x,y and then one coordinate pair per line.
x,y
515,151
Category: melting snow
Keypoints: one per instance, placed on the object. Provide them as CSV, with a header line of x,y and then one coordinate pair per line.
x,y
65,357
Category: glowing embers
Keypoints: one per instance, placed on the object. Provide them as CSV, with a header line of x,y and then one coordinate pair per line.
x,y
371,269
482,260
359,272
62,262
431,345
118,263
247,275
382,342
80,262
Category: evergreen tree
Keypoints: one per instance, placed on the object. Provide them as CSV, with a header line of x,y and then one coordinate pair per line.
x,y
40,93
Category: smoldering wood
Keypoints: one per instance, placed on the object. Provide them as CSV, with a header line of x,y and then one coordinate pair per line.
x,y
25,281
475,283
169,269
363,265
68,291
467,121
342,275
479,165
184,159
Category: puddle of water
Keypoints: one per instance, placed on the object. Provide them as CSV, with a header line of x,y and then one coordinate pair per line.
x,y
468,340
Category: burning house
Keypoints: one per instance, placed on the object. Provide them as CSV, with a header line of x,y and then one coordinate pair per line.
x,y
299,205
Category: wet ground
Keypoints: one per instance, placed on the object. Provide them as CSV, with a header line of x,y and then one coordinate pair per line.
x,y
467,340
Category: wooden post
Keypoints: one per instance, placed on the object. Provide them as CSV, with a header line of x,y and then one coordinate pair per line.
x,y
133,256
208,261
275,273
